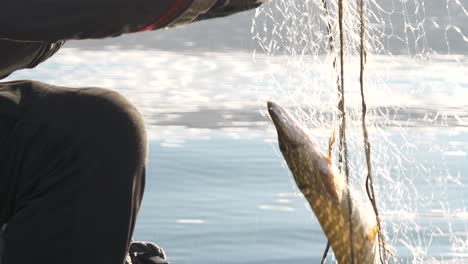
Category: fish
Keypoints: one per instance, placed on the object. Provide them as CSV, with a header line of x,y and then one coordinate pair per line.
x,y
327,192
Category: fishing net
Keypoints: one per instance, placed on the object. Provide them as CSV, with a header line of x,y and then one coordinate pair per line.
x,y
415,88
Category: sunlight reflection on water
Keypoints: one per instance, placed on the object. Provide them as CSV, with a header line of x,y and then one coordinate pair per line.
x,y
212,90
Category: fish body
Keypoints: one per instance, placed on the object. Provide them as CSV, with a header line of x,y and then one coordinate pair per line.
x,y
326,192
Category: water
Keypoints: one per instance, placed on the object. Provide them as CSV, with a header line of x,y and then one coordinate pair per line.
x,y
217,188
225,200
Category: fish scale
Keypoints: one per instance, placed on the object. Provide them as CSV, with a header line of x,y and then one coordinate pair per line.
x,y
326,192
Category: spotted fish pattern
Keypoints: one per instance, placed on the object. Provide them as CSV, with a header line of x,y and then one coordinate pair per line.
x,y
327,193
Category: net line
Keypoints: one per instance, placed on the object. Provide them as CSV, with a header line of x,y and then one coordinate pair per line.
x,y
367,147
294,37
343,155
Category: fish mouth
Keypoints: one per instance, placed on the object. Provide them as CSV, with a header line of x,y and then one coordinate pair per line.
x,y
275,111
286,125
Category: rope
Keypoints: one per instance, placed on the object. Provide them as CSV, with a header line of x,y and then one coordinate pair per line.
x,y
343,151
367,148
331,45
343,148
325,253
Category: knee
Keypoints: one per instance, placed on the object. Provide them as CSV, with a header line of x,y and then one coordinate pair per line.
x,y
109,108
97,119
115,141
110,117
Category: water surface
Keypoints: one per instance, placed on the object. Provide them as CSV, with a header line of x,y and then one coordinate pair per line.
x,y
218,191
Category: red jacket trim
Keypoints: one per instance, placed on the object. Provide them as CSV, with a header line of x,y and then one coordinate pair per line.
x,y
170,12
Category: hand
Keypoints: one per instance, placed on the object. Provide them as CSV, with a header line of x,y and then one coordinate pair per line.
x,y
227,7
205,9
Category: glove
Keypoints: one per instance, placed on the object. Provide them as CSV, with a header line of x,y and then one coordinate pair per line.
x,y
205,9
145,253
228,7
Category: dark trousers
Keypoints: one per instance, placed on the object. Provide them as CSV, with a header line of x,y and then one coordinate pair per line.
x,y
72,172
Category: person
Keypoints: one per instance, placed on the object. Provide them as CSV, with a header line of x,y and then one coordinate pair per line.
x,y
72,161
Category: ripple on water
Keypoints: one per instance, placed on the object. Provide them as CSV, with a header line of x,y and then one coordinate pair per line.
x,y
190,221
276,208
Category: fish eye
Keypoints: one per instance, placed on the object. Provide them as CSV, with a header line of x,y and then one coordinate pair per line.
x,y
283,147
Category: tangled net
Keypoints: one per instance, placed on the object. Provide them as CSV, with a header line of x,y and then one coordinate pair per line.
x,y
408,44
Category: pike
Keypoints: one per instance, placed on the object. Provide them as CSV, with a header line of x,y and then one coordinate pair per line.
x,y
327,193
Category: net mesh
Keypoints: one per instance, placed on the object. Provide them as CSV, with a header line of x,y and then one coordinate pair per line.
x,y
415,72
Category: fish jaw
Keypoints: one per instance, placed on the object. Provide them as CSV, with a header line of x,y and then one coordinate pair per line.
x,y
312,170
326,191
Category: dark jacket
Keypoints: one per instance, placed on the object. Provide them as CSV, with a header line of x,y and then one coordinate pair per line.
x,y
33,30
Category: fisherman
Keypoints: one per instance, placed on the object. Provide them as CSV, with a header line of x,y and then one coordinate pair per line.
x,y
72,161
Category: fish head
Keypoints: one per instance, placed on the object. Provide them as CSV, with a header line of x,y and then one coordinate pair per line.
x,y
291,134
312,170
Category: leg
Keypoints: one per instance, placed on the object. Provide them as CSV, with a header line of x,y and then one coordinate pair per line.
x,y
79,160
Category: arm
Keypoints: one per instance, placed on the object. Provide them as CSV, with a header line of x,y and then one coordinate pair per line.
x,y
33,30
16,55
55,20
